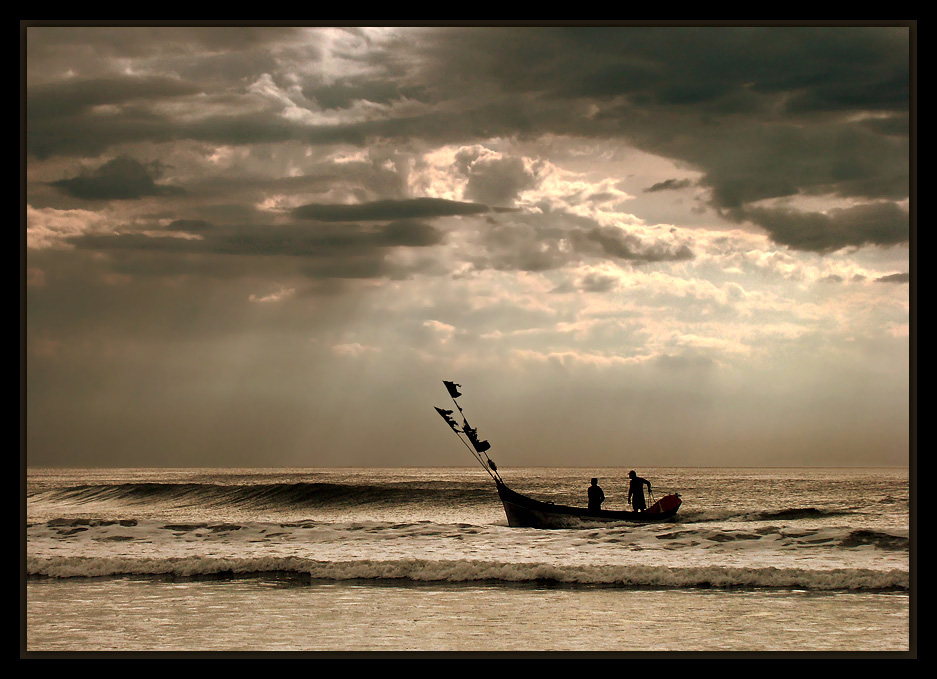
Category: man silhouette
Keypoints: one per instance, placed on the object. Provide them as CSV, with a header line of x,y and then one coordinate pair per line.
x,y
636,492
596,496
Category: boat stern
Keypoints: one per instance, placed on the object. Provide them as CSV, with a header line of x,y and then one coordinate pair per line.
x,y
668,503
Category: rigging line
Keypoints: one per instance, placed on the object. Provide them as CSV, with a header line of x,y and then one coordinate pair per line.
x,y
471,449
474,453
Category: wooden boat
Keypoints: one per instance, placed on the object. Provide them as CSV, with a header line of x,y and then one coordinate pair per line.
x,y
526,512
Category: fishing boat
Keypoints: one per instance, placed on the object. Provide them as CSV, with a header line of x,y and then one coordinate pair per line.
x,y
527,512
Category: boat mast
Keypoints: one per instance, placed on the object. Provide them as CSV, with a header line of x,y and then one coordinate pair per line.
x,y
475,447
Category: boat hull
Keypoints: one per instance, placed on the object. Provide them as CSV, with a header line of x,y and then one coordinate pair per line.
x,y
525,512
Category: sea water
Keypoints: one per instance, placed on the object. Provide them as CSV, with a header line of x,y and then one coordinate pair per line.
x,y
423,560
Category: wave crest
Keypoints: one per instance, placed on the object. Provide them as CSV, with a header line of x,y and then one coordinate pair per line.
x,y
265,496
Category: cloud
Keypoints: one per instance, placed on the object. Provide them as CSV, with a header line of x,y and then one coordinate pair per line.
x,y
119,179
325,250
618,244
595,282
894,278
49,43
292,240
669,185
493,179
881,223
190,226
761,113
277,295
66,99
354,349
545,240
344,95
87,116
408,232
388,209
51,228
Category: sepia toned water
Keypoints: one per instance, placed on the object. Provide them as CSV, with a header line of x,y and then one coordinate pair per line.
x,y
351,560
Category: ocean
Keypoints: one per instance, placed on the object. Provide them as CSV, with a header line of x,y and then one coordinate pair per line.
x,y
349,561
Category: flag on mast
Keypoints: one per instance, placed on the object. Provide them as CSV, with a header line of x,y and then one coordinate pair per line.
x,y
480,446
445,415
453,388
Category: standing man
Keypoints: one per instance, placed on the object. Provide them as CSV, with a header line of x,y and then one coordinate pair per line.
x,y
636,491
596,496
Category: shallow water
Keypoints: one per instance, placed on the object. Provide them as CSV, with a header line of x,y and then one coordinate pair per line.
x,y
270,615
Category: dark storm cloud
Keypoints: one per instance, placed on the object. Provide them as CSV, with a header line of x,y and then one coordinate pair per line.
x,y
82,98
88,116
669,185
898,125
408,233
71,99
786,160
762,113
877,223
352,250
723,69
388,209
341,95
90,133
118,179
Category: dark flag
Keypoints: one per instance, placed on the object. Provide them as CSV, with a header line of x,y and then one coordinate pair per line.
x,y
452,387
480,446
445,415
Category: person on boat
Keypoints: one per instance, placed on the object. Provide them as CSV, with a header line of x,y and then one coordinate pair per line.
x,y
636,492
596,496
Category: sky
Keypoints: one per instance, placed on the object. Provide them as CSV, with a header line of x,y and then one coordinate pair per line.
x,y
632,246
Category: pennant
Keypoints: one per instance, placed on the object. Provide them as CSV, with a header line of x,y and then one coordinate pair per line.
x,y
445,415
453,388
480,446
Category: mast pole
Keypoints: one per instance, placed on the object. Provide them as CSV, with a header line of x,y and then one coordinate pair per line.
x,y
478,453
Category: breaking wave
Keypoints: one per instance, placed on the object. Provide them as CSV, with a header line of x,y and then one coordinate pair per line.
x,y
282,496
266,496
